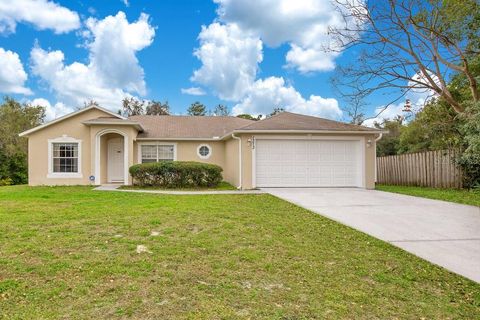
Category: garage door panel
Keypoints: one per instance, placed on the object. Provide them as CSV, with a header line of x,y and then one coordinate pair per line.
x,y
307,163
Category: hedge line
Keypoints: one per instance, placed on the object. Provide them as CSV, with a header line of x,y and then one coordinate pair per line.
x,y
176,174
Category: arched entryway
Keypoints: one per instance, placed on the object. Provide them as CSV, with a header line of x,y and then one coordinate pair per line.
x,y
111,160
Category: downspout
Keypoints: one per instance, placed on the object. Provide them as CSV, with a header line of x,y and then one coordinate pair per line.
x,y
378,138
239,159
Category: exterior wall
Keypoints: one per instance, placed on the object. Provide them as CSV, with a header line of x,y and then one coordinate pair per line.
x,y
38,149
247,174
187,151
231,168
110,131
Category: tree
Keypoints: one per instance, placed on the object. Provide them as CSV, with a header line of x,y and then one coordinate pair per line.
x,y
221,110
132,107
275,111
156,108
249,117
197,109
411,45
353,105
389,144
435,127
16,118
470,159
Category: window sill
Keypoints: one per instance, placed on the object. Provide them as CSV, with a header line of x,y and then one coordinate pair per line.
x,y
64,175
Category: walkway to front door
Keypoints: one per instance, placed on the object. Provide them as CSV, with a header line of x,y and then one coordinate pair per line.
x,y
443,233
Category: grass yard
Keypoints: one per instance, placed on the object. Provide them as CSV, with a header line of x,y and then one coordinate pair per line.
x,y
471,197
222,186
69,252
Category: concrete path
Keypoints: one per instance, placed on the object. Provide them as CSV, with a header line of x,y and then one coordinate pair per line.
x,y
175,192
443,233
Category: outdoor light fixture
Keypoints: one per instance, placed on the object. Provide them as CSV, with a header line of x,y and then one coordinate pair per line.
x,y
251,142
369,143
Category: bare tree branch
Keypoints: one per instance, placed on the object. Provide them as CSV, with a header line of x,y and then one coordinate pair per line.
x,y
408,45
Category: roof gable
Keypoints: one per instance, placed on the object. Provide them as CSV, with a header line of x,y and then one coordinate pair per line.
x,y
67,116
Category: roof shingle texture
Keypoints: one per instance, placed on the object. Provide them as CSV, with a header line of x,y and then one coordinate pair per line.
x,y
187,126
294,121
209,127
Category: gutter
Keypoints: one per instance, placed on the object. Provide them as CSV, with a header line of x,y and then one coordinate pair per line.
x,y
375,154
239,159
312,131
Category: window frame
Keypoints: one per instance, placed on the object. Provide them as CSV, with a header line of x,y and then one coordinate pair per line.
x,y
64,175
209,153
156,143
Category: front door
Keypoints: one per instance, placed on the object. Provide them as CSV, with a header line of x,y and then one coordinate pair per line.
x,y
115,160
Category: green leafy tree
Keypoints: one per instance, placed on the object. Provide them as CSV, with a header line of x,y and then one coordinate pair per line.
x,y
435,127
156,108
221,110
15,118
249,117
390,142
197,109
470,159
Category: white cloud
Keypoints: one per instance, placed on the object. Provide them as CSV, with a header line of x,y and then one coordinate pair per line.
x,y
193,91
307,60
272,92
301,23
113,71
12,74
43,14
229,59
52,112
112,51
389,113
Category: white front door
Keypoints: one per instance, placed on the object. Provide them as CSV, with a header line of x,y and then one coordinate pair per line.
x,y
115,160
308,163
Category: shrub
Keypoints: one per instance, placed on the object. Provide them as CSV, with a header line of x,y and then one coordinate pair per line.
x,y
6,182
176,174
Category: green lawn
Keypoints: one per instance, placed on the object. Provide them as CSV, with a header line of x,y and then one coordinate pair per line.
x,y
471,197
222,186
70,253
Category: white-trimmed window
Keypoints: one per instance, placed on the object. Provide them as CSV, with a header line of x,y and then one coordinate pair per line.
x,y
157,152
204,151
64,158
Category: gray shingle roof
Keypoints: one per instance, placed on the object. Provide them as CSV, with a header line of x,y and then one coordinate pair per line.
x,y
207,127
187,126
294,121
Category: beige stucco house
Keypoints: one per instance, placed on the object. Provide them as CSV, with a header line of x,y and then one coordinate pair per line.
x,y
96,146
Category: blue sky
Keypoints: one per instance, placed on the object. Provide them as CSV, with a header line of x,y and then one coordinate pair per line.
x,y
246,57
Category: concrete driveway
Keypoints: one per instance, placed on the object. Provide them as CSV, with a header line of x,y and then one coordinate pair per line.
x,y
443,233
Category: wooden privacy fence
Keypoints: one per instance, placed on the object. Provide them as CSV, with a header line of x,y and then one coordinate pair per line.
x,y
435,169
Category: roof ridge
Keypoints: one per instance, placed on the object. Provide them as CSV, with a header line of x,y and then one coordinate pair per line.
x,y
186,116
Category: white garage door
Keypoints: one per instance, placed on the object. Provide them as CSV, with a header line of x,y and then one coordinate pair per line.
x,y
308,163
